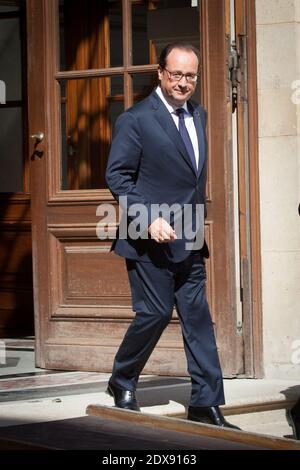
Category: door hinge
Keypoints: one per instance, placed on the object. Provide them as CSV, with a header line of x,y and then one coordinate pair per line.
x,y
236,66
239,328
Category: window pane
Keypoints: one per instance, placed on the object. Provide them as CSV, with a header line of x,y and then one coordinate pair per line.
x,y
10,58
157,23
11,152
143,85
89,107
140,41
9,5
116,103
90,34
115,34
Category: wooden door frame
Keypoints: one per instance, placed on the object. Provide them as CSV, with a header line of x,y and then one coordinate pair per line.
x,y
252,300
219,210
255,336
36,99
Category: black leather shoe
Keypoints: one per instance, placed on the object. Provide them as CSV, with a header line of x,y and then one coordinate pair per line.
x,y
125,399
209,415
293,417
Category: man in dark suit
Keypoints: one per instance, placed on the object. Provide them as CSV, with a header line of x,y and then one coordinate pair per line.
x,y
159,156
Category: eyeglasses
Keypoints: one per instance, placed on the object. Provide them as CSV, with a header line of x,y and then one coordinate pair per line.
x,y
177,76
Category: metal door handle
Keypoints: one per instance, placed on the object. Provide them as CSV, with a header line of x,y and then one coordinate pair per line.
x,y
38,137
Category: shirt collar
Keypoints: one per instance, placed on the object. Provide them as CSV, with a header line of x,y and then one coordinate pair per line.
x,y
170,108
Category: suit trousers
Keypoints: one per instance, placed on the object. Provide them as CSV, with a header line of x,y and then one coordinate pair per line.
x,y
155,290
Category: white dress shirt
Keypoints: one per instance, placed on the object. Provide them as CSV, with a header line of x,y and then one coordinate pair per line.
x,y
188,120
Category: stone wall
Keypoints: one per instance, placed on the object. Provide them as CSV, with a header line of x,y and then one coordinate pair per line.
x,y
278,56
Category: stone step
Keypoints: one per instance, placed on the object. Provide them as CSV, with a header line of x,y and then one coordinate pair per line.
x,y
203,433
266,417
272,422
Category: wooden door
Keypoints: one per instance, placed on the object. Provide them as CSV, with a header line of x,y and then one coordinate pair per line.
x,y
89,60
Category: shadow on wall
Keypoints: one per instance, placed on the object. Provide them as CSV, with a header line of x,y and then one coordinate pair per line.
x,y
292,394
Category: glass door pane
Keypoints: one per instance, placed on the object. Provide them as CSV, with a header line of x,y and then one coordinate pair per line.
x,y
143,85
11,112
159,22
89,107
10,58
11,150
90,34
7,6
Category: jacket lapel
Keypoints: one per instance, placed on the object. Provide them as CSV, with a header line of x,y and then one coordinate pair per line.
x,y
199,126
165,120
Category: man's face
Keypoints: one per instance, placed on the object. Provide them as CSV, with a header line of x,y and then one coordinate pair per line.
x,y
181,61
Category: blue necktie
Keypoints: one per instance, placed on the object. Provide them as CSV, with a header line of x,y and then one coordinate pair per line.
x,y
186,137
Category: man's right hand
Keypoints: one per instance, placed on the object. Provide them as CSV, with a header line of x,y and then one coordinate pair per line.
x,y
161,231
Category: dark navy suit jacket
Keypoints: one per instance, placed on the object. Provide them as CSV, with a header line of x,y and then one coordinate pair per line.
x,y
149,164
